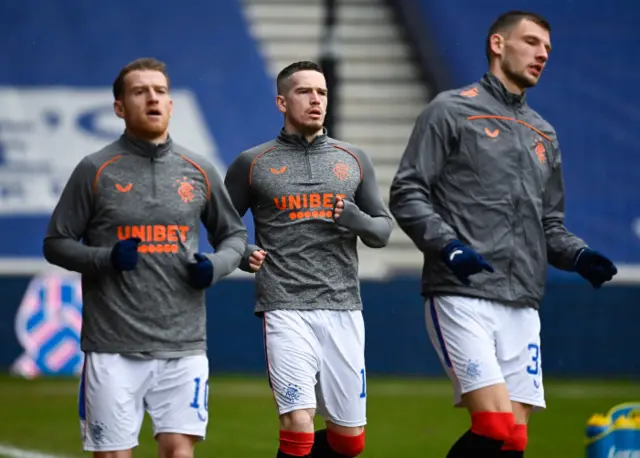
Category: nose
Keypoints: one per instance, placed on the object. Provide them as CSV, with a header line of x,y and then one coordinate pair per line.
x,y
542,55
153,96
315,98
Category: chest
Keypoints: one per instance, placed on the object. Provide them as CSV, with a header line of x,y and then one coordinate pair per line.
x,y
138,190
312,177
503,149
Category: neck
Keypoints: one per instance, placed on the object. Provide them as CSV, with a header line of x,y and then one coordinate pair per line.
x,y
289,129
509,84
155,139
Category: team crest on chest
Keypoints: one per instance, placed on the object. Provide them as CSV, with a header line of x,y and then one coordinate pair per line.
x,y
185,189
341,170
540,149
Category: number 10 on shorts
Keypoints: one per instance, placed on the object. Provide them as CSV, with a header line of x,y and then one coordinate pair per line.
x,y
196,395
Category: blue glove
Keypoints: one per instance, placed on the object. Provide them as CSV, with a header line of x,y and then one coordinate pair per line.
x,y
594,267
200,272
124,254
464,261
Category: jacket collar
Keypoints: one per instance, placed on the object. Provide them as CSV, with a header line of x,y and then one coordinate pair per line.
x,y
299,140
493,85
144,147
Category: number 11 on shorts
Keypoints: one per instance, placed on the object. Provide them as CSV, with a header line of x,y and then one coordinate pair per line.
x,y
363,393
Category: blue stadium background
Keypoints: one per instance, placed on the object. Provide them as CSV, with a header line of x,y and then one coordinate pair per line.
x,y
588,92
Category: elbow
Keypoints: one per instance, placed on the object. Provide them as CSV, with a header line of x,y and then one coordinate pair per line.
x,y
381,239
48,250
375,243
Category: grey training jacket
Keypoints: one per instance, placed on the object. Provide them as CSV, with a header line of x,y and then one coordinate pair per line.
x,y
161,194
290,186
483,167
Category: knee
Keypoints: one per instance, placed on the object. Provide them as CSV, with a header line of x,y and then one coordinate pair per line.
x,y
296,433
298,420
348,442
494,425
176,445
177,452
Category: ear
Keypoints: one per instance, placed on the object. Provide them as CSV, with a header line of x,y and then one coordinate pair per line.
x,y
281,103
118,108
170,107
497,44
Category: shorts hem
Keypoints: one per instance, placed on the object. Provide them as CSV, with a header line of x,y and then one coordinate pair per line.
x,y
186,432
536,404
484,384
289,409
110,448
348,424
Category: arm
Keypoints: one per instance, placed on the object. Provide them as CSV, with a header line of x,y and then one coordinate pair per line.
x,y
62,246
227,233
422,162
368,217
238,187
562,246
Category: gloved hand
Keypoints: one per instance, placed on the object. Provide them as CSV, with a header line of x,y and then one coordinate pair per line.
x,y
594,267
464,261
200,272
124,254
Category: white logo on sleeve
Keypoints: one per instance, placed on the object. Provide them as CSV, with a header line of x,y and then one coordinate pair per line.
x,y
454,254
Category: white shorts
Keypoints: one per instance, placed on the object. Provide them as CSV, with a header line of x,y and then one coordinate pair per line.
x,y
116,390
315,360
482,343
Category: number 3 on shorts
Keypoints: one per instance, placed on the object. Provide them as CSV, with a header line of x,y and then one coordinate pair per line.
x,y
535,356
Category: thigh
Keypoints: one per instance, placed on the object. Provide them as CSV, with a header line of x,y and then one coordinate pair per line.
x,y
342,385
461,331
178,400
110,403
520,356
292,349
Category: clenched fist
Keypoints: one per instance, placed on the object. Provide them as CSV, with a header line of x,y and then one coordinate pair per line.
x,y
337,208
256,259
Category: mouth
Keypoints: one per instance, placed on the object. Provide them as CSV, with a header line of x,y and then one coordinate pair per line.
x,y
315,112
536,69
153,113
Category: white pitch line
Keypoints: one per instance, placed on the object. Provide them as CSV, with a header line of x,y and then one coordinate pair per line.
x,y
9,451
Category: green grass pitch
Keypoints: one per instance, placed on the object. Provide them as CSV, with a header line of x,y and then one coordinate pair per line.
x,y
408,418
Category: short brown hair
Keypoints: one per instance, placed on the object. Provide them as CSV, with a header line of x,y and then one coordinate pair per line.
x,y
285,73
507,21
144,63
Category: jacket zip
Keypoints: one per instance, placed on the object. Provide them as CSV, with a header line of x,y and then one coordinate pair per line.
x,y
517,198
153,177
308,163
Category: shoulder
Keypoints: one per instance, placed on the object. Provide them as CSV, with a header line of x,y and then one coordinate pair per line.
x,y
98,160
194,160
447,106
348,148
540,124
250,155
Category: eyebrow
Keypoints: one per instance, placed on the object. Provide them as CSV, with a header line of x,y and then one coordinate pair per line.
x,y
142,86
306,88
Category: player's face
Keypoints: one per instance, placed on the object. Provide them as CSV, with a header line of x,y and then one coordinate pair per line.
x,y
525,53
305,103
146,105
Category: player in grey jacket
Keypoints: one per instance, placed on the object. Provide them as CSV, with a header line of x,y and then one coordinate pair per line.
x,y
128,221
479,191
311,197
